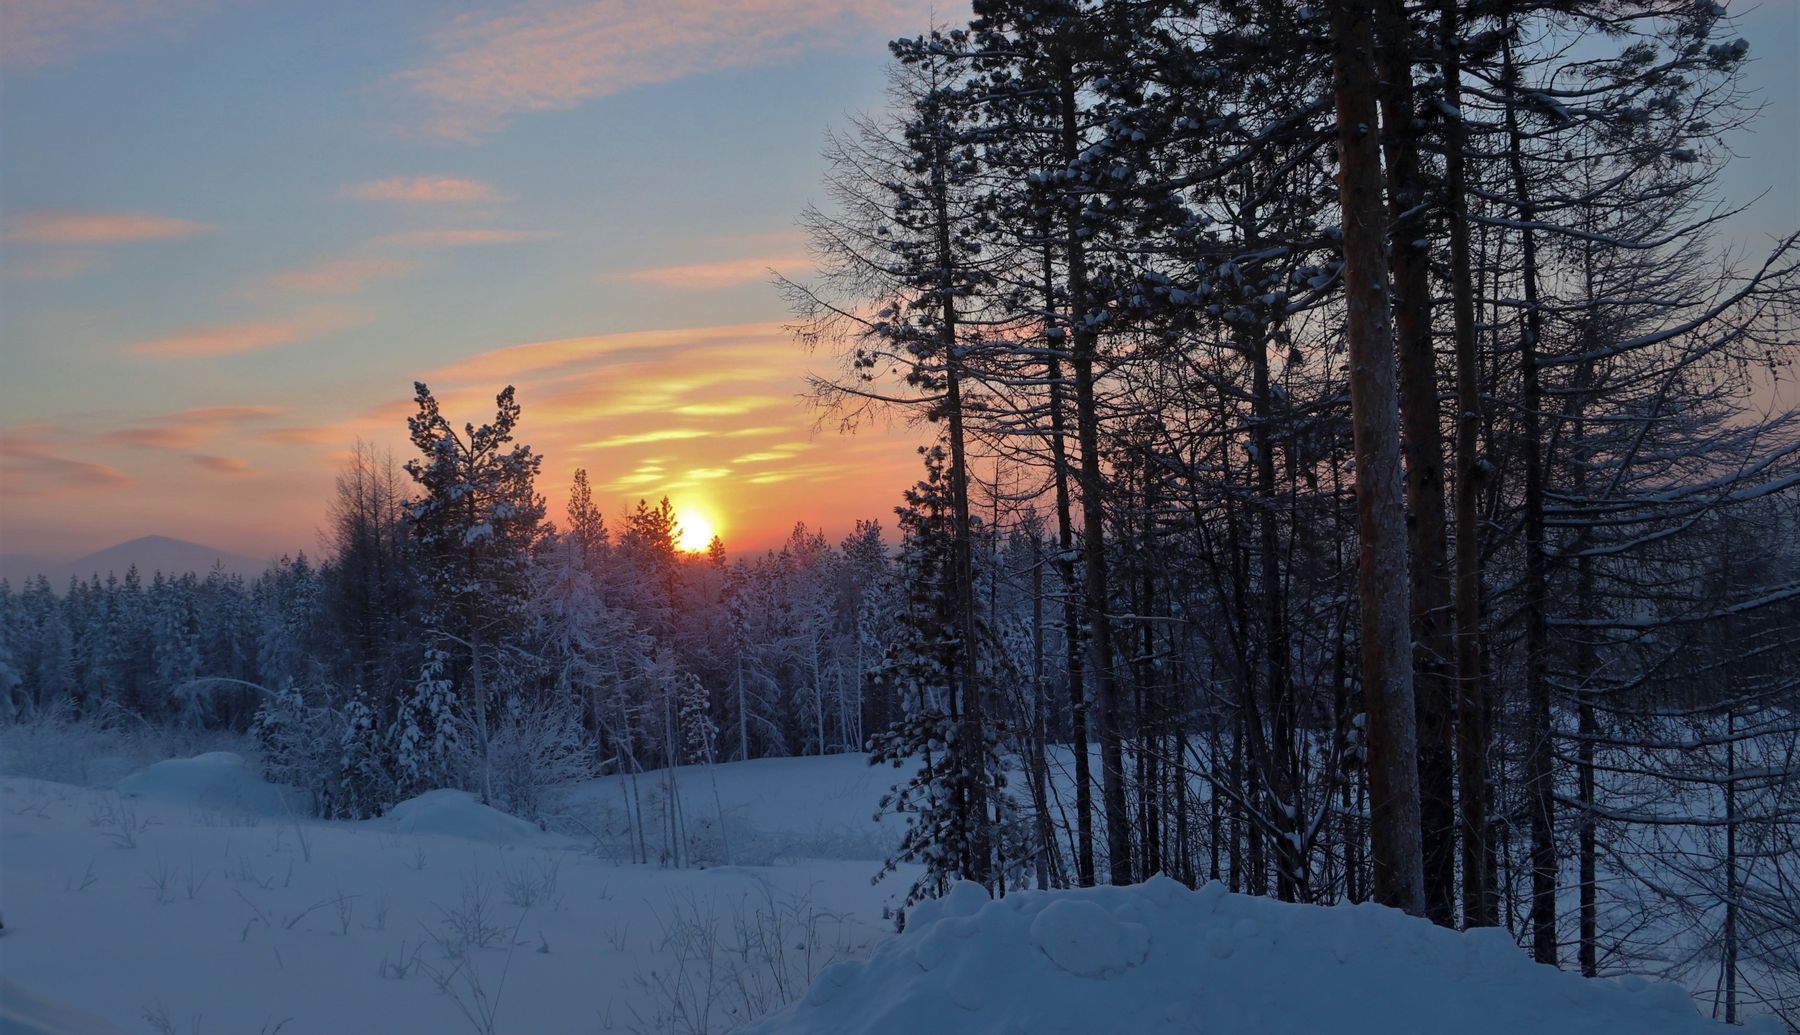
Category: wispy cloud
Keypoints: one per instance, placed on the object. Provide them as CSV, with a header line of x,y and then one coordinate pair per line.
x,y
427,189
39,33
639,438
33,466
186,429
232,339
97,227
342,276
725,273
53,266
462,238
551,55
707,415
230,466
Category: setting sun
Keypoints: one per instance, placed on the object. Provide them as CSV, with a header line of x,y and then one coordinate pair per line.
x,y
695,531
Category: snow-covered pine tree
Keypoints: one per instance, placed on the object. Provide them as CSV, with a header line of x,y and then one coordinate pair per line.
x,y
477,523
959,774
428,743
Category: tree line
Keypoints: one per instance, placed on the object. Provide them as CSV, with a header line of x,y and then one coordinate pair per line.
x,y
1387,402
1348,481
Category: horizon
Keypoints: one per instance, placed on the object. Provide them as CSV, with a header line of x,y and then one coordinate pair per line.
x,y
492,198
202,333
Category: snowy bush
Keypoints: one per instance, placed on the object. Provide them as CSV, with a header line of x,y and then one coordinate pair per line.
x,y
335,755
534,747
98,749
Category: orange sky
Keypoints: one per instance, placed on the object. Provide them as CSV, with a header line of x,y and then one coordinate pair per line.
x,y
712,417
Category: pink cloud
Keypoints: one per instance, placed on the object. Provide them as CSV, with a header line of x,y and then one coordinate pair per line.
x,y
230,466
186,429
555,55
342,276
55,266
462,238
711,276
423,189
98,227
232,339
39,33
31,466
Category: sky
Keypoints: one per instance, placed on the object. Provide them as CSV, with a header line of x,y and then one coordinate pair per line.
x,y
233,233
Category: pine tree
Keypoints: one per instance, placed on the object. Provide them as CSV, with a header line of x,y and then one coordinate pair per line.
x,y
477,524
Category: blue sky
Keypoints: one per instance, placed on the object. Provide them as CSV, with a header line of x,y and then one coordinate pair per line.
x,y
237,232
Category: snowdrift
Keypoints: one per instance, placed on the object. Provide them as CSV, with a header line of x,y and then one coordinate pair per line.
x,y
216,781
458,814
22,1013
1159,958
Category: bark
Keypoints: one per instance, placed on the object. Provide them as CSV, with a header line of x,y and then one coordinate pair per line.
x,y
972,721
1540,786
1423,441
1471,706
1093,533
1374,404
1072,638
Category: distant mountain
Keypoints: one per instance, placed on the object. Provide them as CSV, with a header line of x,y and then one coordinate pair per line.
x,y
151,554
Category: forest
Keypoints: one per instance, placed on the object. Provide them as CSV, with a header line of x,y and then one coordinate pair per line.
x,y
1357,470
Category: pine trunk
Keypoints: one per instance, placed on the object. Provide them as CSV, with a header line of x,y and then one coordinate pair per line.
x,y
1423,441
1374,404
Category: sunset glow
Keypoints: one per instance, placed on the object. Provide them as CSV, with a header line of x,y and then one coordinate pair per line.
x,y
472,199
695,530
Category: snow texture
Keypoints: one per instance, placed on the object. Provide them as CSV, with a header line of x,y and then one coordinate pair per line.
x,y
458,814
219,781
1159,958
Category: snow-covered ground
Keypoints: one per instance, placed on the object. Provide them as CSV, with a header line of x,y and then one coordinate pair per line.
x,y
1159,959
191,898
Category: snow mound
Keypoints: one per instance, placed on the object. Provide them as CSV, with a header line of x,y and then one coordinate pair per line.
x,y
458,814
218,780
1159,958
22,1013
1087,941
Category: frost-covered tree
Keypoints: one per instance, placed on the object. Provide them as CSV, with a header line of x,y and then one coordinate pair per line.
x,y
477,524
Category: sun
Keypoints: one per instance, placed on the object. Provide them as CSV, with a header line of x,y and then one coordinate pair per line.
x,y
696,531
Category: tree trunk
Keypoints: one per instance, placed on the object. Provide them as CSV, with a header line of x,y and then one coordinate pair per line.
x,y
1093,534
1471,726
1422,437
1374,405
1071,607
972,723
1541,787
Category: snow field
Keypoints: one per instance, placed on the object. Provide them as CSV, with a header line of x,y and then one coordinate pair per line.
x,y
1159,958
190,897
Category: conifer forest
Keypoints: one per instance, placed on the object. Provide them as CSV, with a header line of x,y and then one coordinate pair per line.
x,y
1354,464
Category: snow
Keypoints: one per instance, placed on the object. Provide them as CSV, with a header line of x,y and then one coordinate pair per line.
x,y
219,781
1159,958
458,814
153,899
188,893
22,1013
774,809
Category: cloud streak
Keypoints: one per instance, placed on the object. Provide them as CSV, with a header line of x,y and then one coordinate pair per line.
x,y
710,416
712,276
552,55
462,238
342,276
186,429
32,467
424,189
236,339
98,227
39,33
230,466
